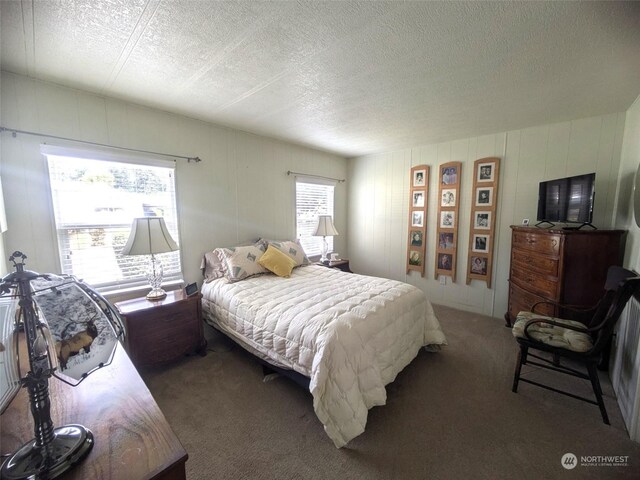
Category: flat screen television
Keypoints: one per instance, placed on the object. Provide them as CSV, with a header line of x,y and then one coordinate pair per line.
x,y
567,200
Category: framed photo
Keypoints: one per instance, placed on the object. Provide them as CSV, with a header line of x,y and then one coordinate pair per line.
x,y
445,261
447,219
418,199
446,240
448,197
480,244
415,258
419,178
478,265
482,220
417,219
484,197
415,238
449,175
486,172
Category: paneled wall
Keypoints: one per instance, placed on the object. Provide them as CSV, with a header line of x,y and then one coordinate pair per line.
x,y
239,191
378,199
625,370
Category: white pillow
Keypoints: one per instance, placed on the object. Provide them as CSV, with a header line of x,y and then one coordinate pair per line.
x,y
211,265
290,248
241,262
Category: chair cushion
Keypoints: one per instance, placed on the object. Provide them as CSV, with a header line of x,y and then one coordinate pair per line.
x,y
553,335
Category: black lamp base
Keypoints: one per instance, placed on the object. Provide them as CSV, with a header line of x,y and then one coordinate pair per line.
x,y
70,445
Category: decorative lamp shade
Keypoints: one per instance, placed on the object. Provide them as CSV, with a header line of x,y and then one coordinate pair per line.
x,y
149,235
325,227
83,326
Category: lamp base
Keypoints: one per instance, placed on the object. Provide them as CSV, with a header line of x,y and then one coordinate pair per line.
x,y
71,444
156,294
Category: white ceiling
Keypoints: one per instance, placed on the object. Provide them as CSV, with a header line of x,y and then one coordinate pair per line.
x,y
348,77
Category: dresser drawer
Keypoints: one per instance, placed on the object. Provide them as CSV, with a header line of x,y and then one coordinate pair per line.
x,y
534,282
545,244
526,260
157,348
521,300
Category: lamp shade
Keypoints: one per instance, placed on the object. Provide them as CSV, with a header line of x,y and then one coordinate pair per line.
x,y
325,227
149,235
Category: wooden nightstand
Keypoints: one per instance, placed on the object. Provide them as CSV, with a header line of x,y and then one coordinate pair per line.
x,y
342,264
161,331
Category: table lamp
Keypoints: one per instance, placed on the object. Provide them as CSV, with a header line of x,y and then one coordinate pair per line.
x,y
325,229
149,236
69,331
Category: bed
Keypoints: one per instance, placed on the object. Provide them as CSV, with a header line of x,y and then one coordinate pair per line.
x,y
349,334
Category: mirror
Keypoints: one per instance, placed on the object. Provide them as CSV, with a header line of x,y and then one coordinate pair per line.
x,y
636,198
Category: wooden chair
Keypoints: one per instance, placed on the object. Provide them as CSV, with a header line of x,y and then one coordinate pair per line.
x,y
582,343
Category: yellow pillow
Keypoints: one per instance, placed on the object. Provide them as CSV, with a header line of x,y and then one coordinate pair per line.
x,y
279,263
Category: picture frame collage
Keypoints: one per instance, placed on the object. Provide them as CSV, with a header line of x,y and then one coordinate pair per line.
x,y
417,238
449,175
486,173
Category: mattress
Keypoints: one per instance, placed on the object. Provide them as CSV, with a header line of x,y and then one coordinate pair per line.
x,y
350,334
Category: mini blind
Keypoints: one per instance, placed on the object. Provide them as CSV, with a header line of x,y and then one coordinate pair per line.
x,y
94,204
312,199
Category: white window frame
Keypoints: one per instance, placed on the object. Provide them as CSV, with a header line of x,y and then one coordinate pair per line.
x,y
311,244
130,158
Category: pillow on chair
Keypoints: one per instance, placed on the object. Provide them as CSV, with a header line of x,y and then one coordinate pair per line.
x,y
552,334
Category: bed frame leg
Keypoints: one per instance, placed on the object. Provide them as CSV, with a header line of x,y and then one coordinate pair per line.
x,y
268,374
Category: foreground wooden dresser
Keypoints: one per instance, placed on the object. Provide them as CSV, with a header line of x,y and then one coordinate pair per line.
x,y
133,440
562,266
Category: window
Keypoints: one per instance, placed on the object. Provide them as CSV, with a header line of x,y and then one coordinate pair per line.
x,y
312,199
95,202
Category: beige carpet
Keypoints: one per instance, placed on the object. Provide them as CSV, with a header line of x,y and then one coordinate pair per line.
x,y
449,415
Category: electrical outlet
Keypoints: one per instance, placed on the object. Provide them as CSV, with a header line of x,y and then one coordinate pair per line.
x,y
443,280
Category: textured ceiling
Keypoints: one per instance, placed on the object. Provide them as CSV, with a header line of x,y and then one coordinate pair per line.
x,y
348,77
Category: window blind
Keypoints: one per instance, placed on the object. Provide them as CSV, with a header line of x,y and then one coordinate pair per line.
x,y
312,199
94,204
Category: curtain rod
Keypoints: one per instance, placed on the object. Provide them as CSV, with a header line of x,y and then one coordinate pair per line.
x,y
14,133
339,180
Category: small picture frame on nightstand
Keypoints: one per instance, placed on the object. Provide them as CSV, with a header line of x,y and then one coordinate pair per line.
x,y
191,289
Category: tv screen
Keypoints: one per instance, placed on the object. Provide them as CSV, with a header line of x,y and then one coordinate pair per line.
x,y
567,200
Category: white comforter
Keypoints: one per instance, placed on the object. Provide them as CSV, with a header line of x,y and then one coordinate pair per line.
x,y
350,334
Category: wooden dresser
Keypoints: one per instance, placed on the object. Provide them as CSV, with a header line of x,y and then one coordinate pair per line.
x,y
133,440
562,266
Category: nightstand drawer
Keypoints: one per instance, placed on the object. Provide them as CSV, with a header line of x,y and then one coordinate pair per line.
x,y
157,348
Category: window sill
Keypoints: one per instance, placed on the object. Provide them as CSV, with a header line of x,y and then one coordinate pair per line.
x,y
118,295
